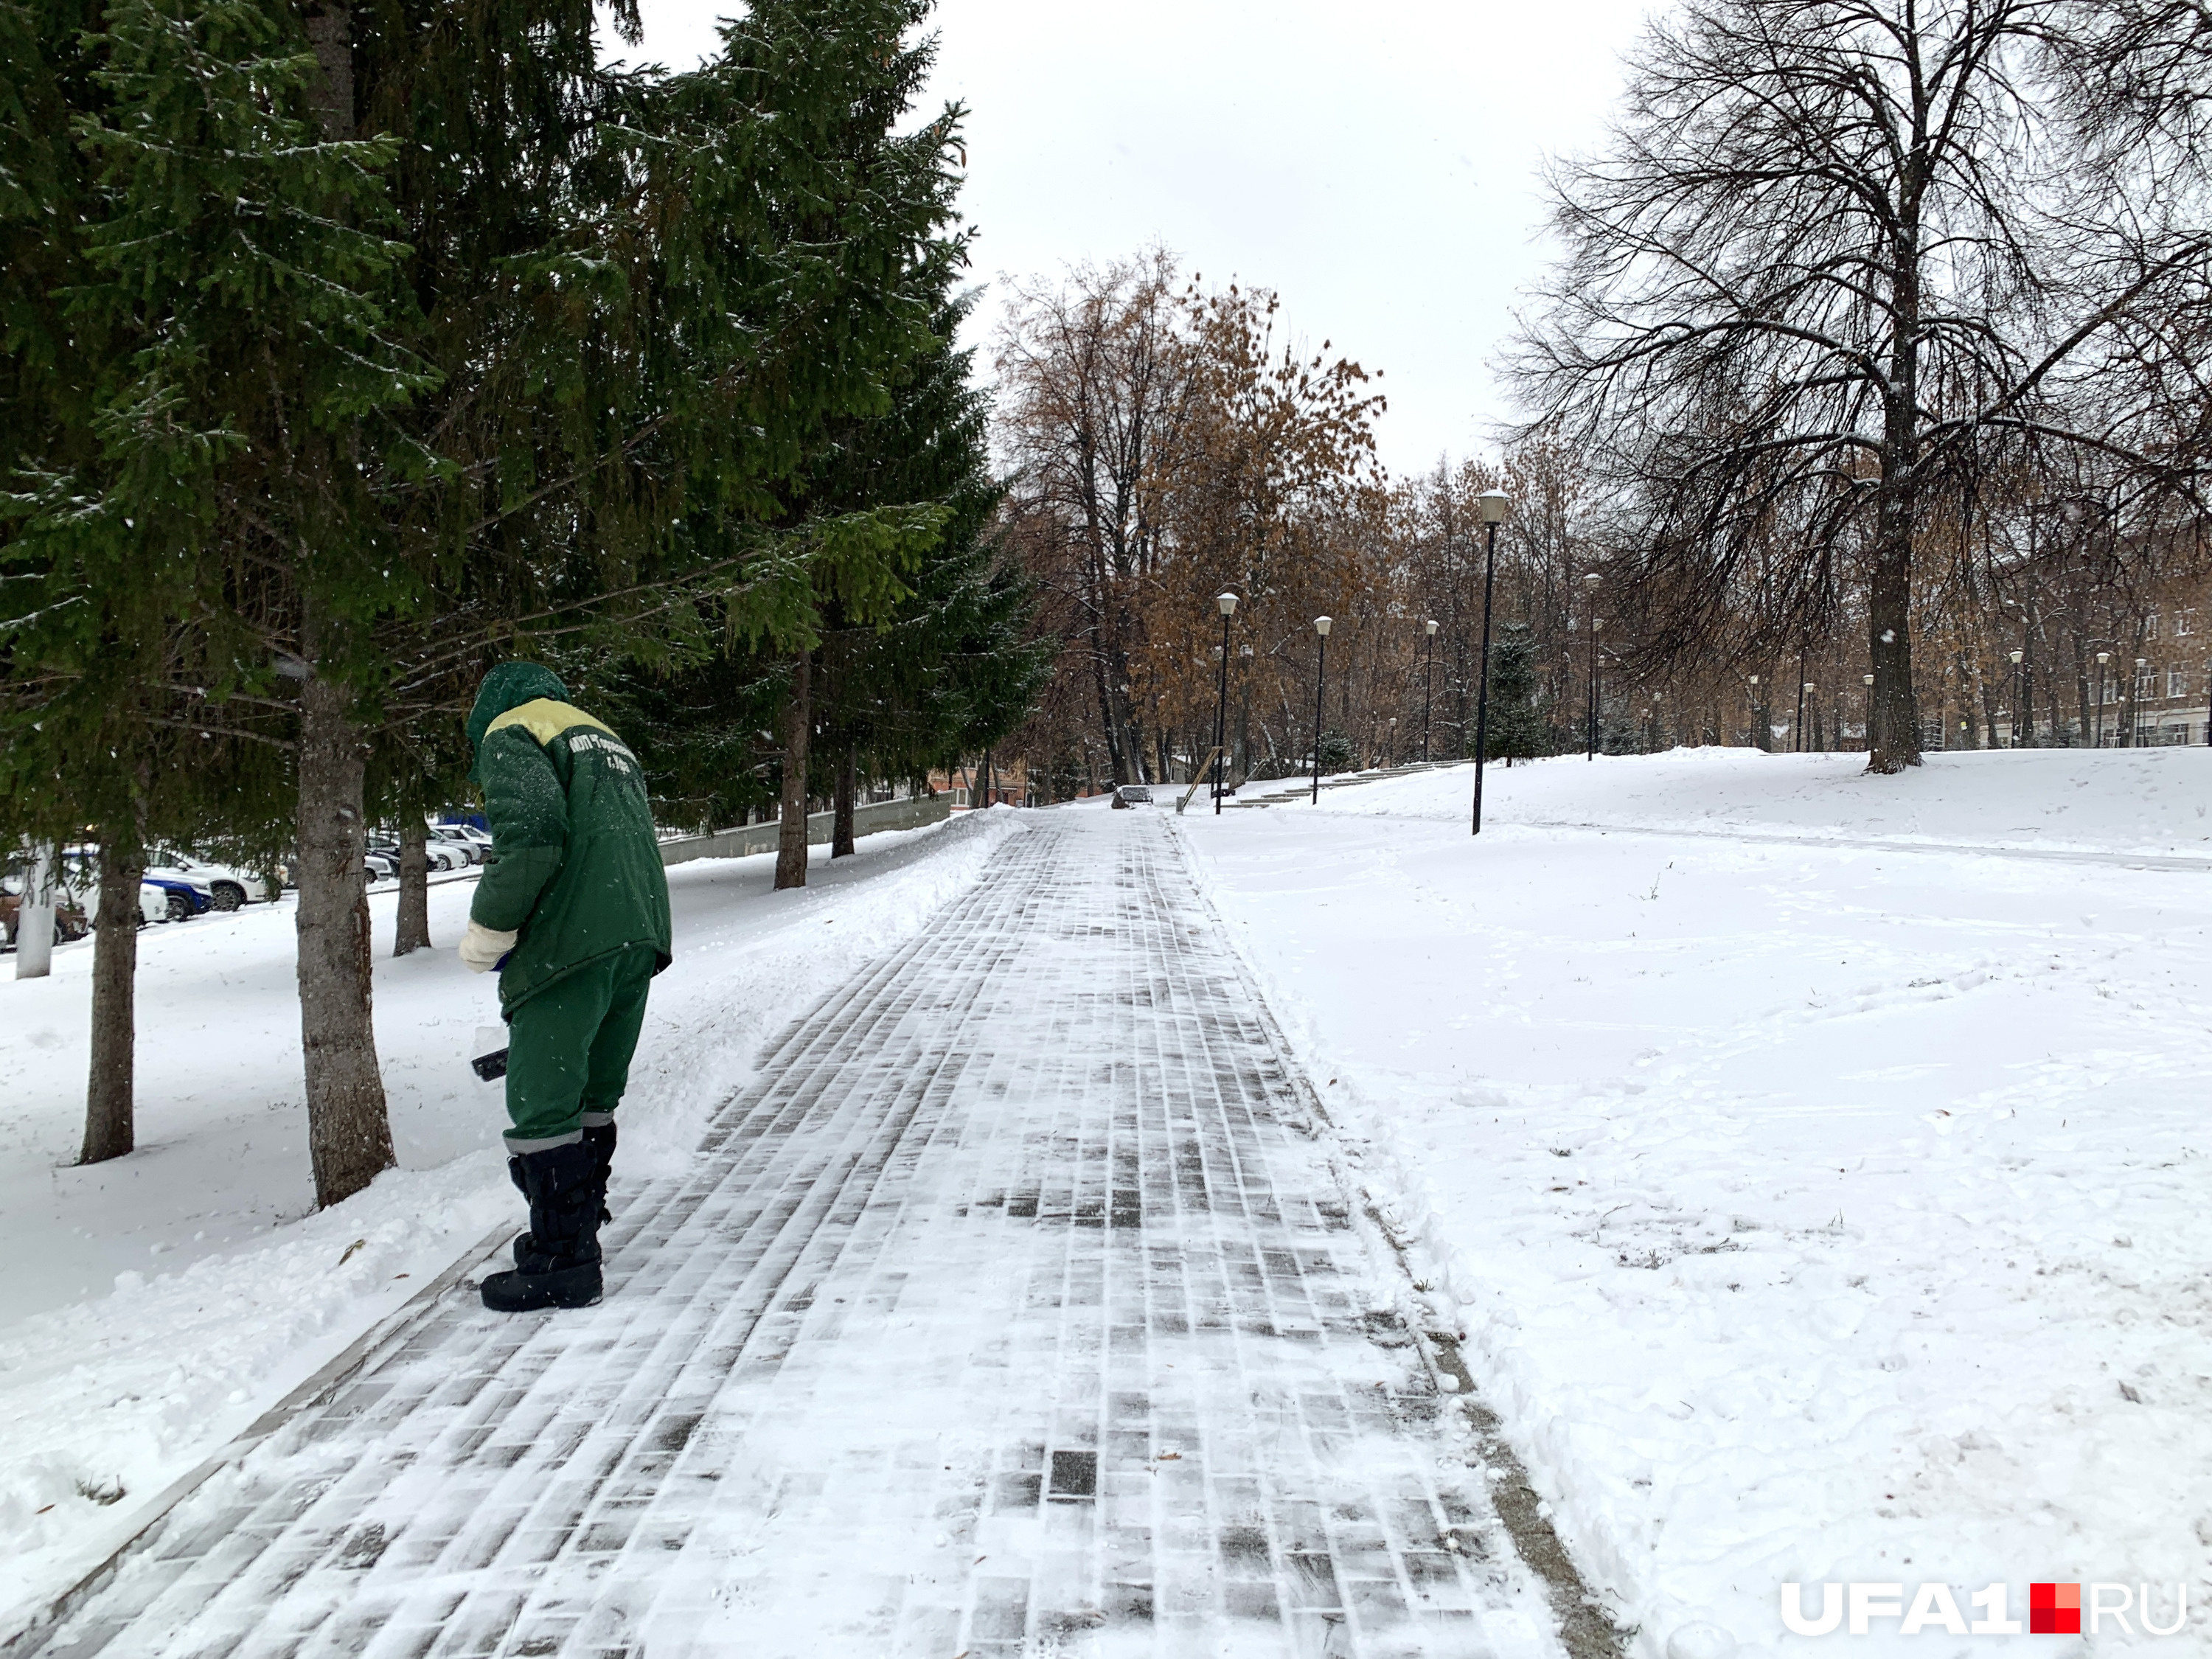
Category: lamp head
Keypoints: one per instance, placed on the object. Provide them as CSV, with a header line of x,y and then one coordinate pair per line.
x,y
1754,679
2103,657
1493,506
1321,626
1591,579
1808,685
2017,655
1228,603
1866,679
1430,626
2142,662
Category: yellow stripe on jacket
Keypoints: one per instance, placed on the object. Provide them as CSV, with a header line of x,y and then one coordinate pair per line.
x,y
546,720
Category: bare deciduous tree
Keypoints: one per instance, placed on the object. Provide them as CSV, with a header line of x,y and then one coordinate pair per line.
x,y
1087,376
1836,263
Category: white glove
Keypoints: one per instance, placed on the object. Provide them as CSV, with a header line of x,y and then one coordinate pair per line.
x,y
483,950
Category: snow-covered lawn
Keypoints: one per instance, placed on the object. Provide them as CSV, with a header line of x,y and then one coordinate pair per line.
x,y
153,1306
1815,1212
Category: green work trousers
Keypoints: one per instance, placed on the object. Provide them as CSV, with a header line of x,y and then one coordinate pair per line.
x,y
568,1048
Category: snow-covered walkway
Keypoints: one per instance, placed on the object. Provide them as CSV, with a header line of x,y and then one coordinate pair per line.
x,y
1015,1309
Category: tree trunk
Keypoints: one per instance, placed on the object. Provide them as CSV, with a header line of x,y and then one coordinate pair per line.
x,y
1109,720
798,724
1893,721
841,836
413,931
109,1119
329,25
349,1135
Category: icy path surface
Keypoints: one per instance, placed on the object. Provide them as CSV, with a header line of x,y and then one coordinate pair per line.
x,y
1013,1309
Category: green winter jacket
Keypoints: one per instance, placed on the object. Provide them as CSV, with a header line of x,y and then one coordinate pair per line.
x,y
575,866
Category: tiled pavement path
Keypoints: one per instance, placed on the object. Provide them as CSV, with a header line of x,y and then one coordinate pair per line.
x,y
1015,1310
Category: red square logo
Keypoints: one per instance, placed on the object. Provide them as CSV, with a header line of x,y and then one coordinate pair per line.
x,y
2054,1609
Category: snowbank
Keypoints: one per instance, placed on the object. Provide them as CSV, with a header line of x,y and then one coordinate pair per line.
x,y
1815,1212
156,1304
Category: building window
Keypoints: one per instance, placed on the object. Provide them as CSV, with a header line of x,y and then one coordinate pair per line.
x,y
2184,621
2177,681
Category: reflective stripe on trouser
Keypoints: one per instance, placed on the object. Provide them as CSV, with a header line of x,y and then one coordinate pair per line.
x,y
569,1050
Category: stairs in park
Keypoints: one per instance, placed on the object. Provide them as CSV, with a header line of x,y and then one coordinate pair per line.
x,y
1287,791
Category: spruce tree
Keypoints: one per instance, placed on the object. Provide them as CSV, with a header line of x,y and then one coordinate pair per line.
x,y
216,275
403,335
1516,726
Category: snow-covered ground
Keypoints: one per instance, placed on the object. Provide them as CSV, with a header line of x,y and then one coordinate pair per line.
x,y
1816,1211
153,1305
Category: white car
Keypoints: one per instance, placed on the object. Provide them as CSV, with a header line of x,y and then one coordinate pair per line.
x,y
230,888
78,880
462,840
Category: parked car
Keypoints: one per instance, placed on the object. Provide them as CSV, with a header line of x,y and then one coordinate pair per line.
x,y
70,922
459,838
1132,794
187,897
229,886
382,860
176,896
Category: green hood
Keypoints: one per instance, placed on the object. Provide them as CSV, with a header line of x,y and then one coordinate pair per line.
x,y
510,685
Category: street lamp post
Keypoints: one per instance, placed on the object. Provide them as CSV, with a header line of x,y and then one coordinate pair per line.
x,y
1321,664
1759,739
2096,728
2020,694
1428,685
1867,680
1228,603
1493,504
1804,692
1590,581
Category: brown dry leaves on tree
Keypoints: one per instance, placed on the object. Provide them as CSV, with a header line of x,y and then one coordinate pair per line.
x,y
1168,447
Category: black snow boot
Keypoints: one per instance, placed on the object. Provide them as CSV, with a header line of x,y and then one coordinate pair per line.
x,y
560,1268
600,1137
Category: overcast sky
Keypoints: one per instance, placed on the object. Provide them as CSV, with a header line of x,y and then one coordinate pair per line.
x,y
1375,165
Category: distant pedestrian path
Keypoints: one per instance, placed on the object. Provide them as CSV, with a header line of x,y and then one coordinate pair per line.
x,y
1014,1310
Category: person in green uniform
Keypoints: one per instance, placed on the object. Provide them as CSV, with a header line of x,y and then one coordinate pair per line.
x,y
573,911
